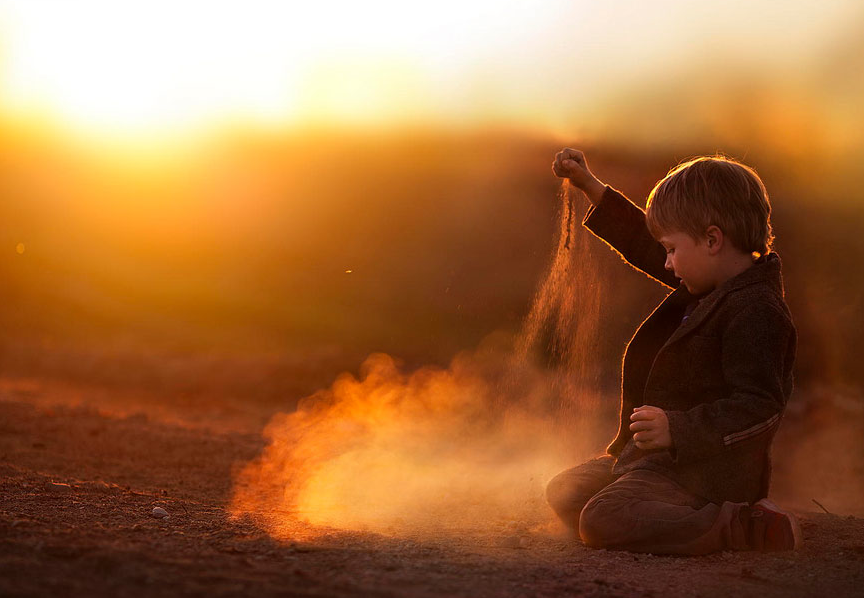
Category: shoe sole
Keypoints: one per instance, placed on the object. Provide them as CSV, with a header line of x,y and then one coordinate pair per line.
x,y
797,537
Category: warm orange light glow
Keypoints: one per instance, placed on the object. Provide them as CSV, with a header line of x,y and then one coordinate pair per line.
x,y
435,451
159,67
120,68
165,69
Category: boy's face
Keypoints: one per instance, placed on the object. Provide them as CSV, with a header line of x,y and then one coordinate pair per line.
x,y
690,260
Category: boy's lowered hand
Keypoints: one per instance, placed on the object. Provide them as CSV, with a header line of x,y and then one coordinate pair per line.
x,y
651,427
571,164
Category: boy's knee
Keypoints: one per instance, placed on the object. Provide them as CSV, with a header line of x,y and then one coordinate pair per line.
x,y
564,496
589,529
556,490
559,497
598,523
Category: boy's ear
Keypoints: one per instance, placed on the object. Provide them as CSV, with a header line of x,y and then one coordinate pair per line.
x,y
714,239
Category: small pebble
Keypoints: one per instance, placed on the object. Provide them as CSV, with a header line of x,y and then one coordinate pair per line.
x,y
58,487
98,486
511,542
159,513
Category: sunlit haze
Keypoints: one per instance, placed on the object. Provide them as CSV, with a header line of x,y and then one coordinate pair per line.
x,y
155,68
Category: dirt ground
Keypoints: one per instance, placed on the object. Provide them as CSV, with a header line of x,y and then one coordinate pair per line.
x,y
82,469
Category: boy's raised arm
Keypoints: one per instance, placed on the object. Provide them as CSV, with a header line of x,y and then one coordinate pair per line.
x,y
615,219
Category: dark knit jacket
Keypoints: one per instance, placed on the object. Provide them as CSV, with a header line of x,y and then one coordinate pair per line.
x,y
723,376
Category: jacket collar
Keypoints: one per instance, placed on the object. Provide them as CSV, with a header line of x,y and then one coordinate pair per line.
x,y
765,270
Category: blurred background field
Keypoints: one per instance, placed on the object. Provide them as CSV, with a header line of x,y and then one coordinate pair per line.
x,y
268,266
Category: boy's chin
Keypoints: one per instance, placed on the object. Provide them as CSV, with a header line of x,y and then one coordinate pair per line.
x,y
693,290
690,288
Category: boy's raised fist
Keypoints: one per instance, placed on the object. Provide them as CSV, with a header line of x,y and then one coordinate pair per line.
x,y
571,164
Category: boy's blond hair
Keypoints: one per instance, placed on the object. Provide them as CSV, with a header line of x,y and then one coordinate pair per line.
x,y
713,190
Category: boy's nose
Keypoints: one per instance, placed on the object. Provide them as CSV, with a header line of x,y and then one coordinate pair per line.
x,y
668,264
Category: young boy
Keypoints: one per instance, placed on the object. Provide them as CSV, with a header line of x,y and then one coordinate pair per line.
x,y
705,377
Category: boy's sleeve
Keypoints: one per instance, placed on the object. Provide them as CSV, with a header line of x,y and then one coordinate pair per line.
x,y
621,224
758,348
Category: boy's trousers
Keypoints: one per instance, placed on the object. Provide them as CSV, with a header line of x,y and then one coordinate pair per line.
x,y
642,511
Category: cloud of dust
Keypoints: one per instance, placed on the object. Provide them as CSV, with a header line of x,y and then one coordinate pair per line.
x,y
466,448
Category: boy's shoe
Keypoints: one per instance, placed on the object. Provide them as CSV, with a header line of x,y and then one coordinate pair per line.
x,y
771,528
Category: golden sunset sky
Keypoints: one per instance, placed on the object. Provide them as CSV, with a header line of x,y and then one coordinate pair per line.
x,y
162,69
